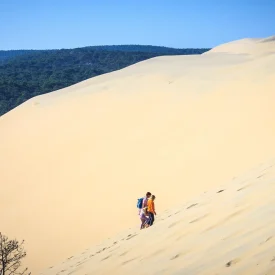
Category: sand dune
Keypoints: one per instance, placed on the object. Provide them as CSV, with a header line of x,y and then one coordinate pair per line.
x,y
73,162
255,46
226,230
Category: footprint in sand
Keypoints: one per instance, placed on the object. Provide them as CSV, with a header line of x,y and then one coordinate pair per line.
x,y
260,176
244,187
131,236
192,205
106,258
268,239
175,257
99,251
126,262
232,262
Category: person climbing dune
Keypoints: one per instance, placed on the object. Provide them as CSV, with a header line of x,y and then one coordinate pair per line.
x,y
142,202
151,210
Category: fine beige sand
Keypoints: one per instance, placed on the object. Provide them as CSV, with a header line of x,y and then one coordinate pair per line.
x,y
73,162
226,230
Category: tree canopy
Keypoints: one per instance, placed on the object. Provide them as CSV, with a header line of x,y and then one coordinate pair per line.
x,y
27,74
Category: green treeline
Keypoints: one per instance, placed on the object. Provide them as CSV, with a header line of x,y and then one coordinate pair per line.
x,y
26,74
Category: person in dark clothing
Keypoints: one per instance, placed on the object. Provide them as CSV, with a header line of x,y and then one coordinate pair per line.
x,y
151,210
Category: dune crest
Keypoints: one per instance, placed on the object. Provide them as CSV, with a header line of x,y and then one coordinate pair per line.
x,y
268,39
73,162
248,46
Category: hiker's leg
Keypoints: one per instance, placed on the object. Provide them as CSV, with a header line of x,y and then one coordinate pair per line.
x,y
145,223
142,224
150,218
153,218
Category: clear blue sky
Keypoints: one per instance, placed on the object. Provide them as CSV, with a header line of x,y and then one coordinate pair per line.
x,y
48,24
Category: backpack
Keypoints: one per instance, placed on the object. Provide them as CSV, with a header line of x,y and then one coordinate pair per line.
x,y
139,203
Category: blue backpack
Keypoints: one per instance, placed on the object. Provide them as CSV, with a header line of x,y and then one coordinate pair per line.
x,y
139,203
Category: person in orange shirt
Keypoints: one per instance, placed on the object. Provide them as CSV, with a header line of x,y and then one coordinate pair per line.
x,y
151,210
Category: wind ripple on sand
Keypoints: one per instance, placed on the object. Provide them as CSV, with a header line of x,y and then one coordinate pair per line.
x,y
229,232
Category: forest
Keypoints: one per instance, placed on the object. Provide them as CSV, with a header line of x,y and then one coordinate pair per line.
x,y
28,73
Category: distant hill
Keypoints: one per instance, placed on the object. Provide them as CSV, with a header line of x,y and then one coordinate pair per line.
x,y
5,55
28,73
148,49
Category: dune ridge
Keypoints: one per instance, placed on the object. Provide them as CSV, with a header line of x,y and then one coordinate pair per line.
x,y
247,46
72,161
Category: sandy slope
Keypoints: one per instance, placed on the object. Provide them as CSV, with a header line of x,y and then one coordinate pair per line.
x,y
226,230
73,162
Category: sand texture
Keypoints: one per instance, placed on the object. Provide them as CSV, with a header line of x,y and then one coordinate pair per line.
x,y
74,161
226,230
